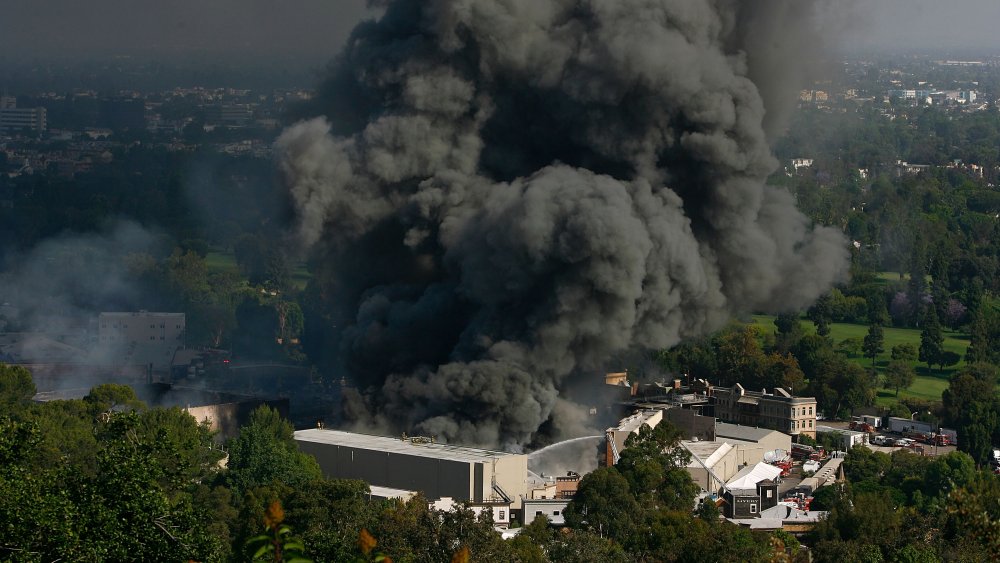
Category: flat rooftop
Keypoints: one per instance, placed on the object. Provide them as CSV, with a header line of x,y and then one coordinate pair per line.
x,y
738,432
389,492
633,422
399,445
707,453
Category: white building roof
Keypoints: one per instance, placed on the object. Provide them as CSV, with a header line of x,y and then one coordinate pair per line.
x,y
389,492
707,453
749,476
398,445
633,422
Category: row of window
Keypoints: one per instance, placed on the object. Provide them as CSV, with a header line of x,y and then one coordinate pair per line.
x,y
796,424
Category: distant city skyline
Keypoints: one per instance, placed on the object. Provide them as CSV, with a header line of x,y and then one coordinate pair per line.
x,y
313,31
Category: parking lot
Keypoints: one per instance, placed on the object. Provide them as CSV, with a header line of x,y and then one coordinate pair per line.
x,y
928,449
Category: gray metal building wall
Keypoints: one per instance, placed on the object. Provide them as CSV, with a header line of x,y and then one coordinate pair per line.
x,y
434,477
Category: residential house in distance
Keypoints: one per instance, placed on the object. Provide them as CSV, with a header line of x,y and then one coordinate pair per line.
x,y
800,163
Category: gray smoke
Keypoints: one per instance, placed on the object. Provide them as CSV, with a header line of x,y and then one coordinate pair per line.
x,y
507,193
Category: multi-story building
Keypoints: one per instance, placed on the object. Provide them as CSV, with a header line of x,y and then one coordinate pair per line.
x,y
778,410
140,338
15,120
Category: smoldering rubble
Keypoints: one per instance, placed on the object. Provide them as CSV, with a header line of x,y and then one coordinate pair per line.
x,y
503,194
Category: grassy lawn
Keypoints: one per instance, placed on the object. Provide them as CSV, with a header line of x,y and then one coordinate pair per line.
x,y
927,385
221,261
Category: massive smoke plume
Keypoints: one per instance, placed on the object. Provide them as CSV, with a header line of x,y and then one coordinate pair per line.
x,y
505,193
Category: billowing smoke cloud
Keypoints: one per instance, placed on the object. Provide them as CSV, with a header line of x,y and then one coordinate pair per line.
x,y
506,193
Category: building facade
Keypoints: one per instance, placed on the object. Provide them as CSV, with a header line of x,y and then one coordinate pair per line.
x,y
16,120
779,410
552,509
140,338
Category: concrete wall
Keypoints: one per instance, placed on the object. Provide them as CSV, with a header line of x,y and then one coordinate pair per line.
x,y
554,510
227,418
511,474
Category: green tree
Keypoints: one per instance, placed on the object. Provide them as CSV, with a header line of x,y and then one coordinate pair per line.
x,y
276,544
782,370
899,375
581,546
265,452
112,397
851,347
874,342
789,332
931,339
821,313
738,355
652,463
604,503
984,336
16,387
905,352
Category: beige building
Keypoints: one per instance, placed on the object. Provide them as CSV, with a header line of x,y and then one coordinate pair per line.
x,y
616,436
778,410
140,338
715,462
712,464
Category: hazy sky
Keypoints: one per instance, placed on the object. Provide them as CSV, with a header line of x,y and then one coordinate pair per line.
x,y
313,30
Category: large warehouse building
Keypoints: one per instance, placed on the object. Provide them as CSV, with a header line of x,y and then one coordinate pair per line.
x,y
413,464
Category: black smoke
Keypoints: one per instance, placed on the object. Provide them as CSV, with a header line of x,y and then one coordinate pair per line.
x,y
504,194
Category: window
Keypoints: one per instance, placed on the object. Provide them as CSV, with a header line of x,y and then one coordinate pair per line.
x,y
538,513
555,513
769,493
503,514
753,509
810,410
810,424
